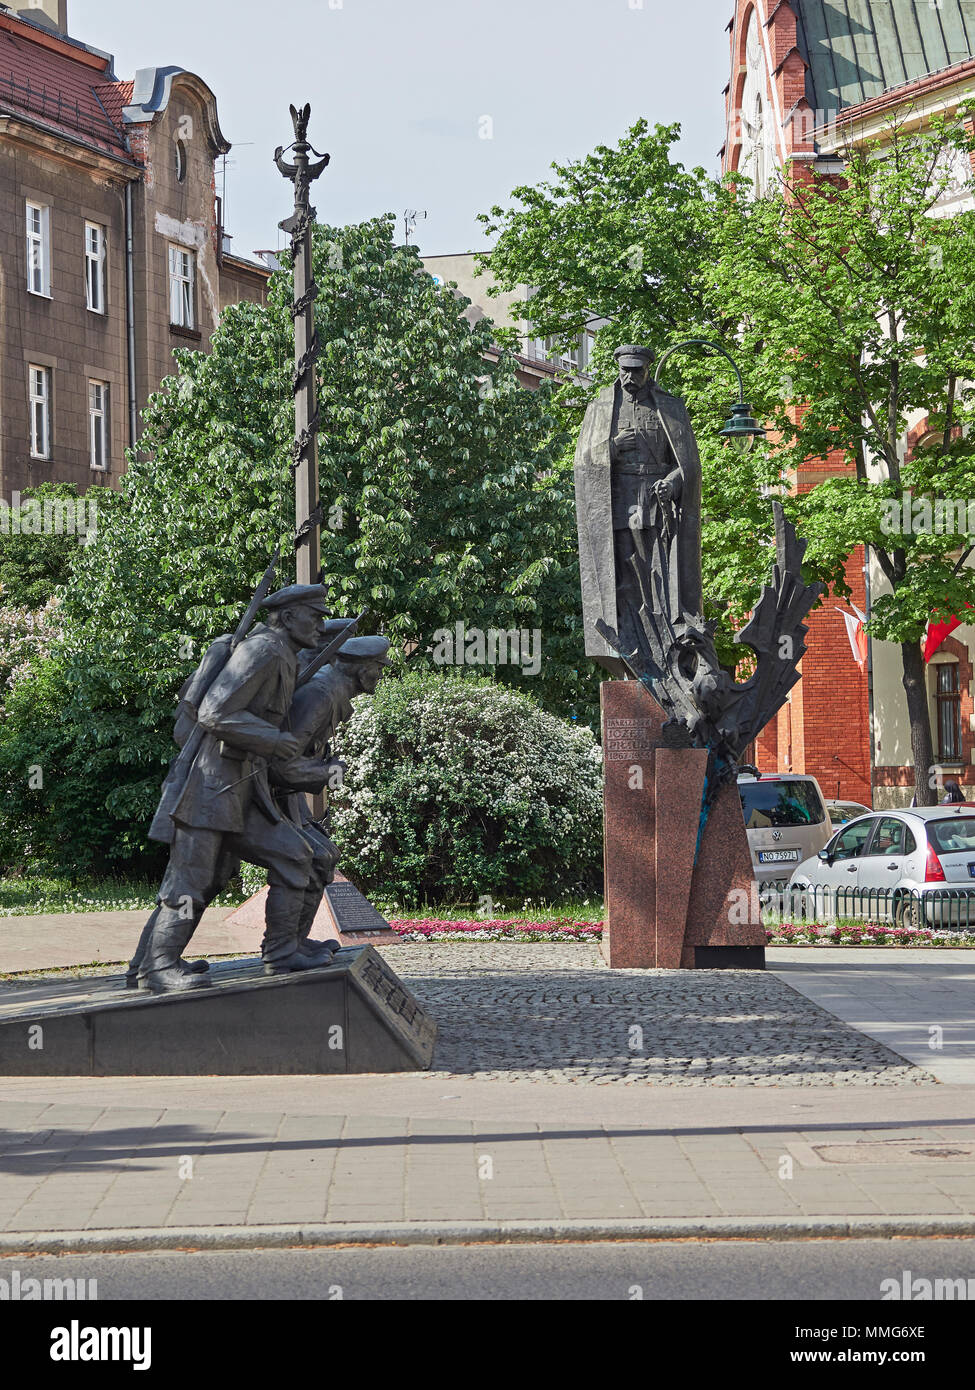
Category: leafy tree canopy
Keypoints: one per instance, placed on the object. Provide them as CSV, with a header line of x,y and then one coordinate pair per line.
x,y
39,540
856,317
437,490
848,303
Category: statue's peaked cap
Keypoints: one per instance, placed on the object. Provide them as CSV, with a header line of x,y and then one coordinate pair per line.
x,y
365,649
311,595
631,356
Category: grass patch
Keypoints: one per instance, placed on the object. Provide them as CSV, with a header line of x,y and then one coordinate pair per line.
x,y
32,895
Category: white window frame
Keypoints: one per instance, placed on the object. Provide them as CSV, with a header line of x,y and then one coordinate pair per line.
x,y
39,399
568,358
98,436
38,245
182,287
95,267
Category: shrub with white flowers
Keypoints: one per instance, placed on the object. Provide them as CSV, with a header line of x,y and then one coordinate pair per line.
x,y
459,789
26,635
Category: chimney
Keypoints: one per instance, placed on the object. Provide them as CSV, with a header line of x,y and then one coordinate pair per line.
x,y
50,14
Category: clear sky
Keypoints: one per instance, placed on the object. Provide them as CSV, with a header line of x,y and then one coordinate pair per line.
x,y
400,88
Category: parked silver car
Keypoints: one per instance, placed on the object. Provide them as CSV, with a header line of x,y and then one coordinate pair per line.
x,y
785,821
840,812
911,867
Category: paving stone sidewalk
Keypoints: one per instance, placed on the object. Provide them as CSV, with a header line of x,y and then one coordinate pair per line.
x,y
555,1012
623,1125
77,1167
55,940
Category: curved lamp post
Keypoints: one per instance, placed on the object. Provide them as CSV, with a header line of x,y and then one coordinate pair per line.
x,y
740,429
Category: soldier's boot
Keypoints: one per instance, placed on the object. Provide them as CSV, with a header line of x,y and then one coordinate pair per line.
x,y
135,976
165,970
279,949
309,910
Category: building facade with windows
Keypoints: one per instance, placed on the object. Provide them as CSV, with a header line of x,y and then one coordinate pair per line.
x,y
808,77
538,359
111,248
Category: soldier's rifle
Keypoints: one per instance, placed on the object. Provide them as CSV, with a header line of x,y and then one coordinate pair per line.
x,y
326,654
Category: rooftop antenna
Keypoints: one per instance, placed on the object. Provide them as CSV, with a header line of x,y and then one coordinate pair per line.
x,y
223,172
410,218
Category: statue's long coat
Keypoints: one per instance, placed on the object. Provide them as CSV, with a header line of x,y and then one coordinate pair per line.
x,y
242,713
594,512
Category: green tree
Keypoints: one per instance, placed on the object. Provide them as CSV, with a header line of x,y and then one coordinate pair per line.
x,y
439,502
856,313
628,235
36,556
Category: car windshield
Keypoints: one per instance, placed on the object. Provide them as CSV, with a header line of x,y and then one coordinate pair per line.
x,y
784,801
953,835
846,811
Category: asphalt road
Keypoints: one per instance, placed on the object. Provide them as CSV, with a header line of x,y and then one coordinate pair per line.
x,y
726,1270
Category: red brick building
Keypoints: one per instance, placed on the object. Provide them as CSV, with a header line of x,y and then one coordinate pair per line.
x,y
806,77
112,251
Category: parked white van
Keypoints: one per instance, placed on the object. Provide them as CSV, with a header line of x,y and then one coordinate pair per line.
x,y
785,820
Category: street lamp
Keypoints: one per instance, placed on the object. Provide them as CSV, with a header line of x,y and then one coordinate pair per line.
x,y
741,429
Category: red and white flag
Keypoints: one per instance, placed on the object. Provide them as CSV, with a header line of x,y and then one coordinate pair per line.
x,y
856,634
937,630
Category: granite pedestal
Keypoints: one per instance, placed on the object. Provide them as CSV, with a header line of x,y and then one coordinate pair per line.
x,y
664,911
353,1015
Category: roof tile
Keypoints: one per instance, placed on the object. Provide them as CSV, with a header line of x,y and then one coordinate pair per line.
x,y
66,93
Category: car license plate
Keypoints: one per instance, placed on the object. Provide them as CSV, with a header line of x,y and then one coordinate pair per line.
x,y
781,856
971,869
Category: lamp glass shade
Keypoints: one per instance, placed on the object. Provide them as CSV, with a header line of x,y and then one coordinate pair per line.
x,y
741,429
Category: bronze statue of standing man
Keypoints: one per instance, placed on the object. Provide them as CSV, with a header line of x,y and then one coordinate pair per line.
x,y
638,504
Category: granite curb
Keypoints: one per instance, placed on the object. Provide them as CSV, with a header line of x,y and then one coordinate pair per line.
x,y
193,1238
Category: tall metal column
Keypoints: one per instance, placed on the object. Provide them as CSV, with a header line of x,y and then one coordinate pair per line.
x,y
308,514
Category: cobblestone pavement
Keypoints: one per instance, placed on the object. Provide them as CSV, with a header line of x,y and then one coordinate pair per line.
x,y
517,1011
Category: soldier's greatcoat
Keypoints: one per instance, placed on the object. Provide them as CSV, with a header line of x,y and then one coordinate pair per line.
x,y
317,710
599,482
242,714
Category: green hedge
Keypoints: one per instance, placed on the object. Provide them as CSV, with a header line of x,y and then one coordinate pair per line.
x,y
459,789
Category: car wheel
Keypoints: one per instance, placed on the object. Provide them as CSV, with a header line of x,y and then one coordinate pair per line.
x,y
908,912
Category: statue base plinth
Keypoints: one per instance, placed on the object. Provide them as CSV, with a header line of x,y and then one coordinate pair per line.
x,y
663,911
353,1015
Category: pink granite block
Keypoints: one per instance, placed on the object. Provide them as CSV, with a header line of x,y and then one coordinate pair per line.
x,y
678,787
631,724
723,900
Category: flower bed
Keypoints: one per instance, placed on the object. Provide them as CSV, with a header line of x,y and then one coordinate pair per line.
x,y
569,929
474,929
862,934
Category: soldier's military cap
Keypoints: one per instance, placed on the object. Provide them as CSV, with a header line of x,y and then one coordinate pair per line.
x,y
310,595
365,649
631,356
333,626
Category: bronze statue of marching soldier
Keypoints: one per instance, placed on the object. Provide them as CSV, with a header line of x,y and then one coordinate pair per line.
x,y
232,793
321,704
